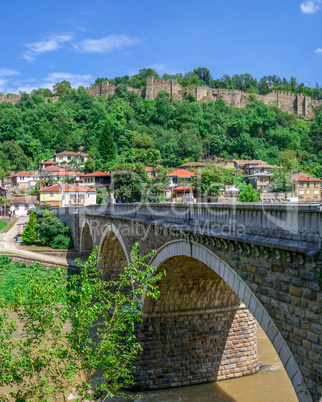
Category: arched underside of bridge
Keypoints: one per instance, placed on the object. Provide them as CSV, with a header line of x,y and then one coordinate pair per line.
x,y
112,253
86,244
202,327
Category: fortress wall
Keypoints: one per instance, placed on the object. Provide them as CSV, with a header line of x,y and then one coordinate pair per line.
x,y
289,102
9,98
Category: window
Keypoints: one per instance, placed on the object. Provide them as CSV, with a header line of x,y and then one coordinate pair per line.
x,y
175,180
316,185
316,191
307,192
307,184
301,191
301,184
45,195
51,194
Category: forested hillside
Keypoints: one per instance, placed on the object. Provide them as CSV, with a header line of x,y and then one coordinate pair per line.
x,y
125,128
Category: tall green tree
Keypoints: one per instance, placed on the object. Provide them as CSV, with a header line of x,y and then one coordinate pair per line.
x,y
107,144
29,235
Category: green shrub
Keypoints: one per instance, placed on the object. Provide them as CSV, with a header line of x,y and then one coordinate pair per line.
x,y
61,242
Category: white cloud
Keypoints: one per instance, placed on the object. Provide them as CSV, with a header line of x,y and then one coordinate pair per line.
x,y
319,50
310,6
3,84
161,68
105,45
76,80
51,43
4,72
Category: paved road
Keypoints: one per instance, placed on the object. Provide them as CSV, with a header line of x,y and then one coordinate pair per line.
x,y
8,244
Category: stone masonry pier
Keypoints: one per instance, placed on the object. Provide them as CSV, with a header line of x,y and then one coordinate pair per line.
x,y
227,266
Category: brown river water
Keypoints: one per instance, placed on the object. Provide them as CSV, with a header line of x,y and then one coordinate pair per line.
x,y
270,384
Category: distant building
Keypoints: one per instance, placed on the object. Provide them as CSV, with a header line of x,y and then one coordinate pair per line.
x,y
96,179
68,156
150,171
43,164
184,193
21,204
259,173
6,192
23,180
180,175
306,188
50,170
63,195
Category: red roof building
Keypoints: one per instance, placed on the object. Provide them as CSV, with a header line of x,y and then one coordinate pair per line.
x,y
306,188
182,174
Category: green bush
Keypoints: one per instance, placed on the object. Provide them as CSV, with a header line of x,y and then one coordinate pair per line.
x,y
61,242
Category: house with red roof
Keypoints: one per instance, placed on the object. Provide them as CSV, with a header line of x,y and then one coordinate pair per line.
x,y
23,180
96,179
43,164
64,195
306,188
180,176
179,185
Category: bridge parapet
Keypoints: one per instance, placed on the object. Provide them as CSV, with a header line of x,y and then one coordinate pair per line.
x,y
288,226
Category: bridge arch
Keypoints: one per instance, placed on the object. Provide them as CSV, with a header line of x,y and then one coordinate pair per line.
x,y
112,252
87,239
171,251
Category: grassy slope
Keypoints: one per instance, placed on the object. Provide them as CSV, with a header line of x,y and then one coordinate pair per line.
x,y
3,225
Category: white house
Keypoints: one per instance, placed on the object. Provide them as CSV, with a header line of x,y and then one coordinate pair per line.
x,y
67,156
182,175
23,180
21,204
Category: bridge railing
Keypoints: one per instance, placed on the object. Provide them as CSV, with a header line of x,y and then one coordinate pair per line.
x,y
285,222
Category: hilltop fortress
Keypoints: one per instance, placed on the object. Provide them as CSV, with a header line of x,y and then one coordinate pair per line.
x,y
292,103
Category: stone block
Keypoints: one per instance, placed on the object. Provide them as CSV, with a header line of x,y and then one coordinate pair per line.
x,y
294,291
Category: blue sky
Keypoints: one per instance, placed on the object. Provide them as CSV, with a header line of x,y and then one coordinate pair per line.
x,y
44,42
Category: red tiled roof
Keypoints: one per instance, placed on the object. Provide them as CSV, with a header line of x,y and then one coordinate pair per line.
x,y
181,188
96,174
53,169
305,177
26,174
67,188
148,169
67,153
182,173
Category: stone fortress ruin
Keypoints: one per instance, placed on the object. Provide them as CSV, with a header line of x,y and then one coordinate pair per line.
x,y
297,104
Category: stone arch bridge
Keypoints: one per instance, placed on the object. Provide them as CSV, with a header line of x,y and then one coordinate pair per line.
x,y
227,266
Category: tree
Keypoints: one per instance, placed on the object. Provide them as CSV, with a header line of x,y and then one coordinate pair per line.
x,y
204,74
62,346
107,145
249,194
61,88
29,235
287,159
90,165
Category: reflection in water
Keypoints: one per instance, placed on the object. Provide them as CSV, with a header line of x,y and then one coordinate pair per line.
x,y
270,384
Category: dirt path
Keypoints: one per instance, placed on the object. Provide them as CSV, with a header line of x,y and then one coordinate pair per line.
x,y
8,244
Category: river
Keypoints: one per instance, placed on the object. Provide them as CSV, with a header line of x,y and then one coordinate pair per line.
x,y
270,384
